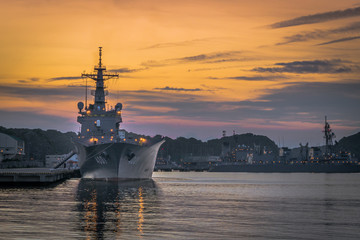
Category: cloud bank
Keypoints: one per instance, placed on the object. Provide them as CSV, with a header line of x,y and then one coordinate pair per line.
x,y
126,70
167,88
39,92
317,18
252,78
340,40
316,66
206,58
318,34
64,78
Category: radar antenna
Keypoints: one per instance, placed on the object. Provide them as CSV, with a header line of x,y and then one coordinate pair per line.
x,y
99,75
99,71
100,54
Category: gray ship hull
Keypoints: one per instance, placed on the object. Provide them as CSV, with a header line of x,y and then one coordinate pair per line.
x,y
117,160
288,168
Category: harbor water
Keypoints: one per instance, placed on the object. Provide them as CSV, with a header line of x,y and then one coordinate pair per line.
x,y
187,205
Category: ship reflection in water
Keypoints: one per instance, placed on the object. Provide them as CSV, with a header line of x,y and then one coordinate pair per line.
x,y
110,210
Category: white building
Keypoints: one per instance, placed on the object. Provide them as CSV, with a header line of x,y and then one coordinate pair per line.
x,y
10,147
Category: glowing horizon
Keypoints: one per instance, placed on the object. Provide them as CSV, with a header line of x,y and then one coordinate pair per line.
x,y
186,68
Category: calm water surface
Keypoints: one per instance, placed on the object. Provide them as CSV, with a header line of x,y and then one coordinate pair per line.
x,y
187,206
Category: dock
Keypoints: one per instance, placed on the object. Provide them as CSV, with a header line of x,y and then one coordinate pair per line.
x,y
36,175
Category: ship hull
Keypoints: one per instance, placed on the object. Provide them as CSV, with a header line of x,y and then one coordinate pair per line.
x,y
288,168
117,160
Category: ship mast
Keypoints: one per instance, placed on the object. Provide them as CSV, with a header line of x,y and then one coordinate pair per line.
x,y
100,76
328,135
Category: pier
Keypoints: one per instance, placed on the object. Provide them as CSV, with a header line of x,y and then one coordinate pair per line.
x,y
36,175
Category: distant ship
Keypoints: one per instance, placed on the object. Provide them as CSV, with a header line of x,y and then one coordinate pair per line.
x,y
103,150
328,162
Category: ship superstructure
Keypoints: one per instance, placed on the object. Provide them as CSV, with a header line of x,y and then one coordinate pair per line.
x,y
102,147
98,124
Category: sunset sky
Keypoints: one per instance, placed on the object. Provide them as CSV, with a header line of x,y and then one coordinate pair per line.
x,y
187,68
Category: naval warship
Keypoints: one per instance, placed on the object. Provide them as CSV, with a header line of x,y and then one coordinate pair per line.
x,y
327,161
103,149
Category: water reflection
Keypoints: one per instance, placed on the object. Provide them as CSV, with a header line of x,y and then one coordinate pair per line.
x,y
113,210
91,214
141,210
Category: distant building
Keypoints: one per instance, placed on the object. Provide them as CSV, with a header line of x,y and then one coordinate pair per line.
x,y
11,147
52,160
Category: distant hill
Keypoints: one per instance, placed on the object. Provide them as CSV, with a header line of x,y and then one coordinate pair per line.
x,y
350,143
250,139
39,143
181,147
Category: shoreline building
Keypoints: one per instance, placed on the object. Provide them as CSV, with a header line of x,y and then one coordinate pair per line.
x,y
11,147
